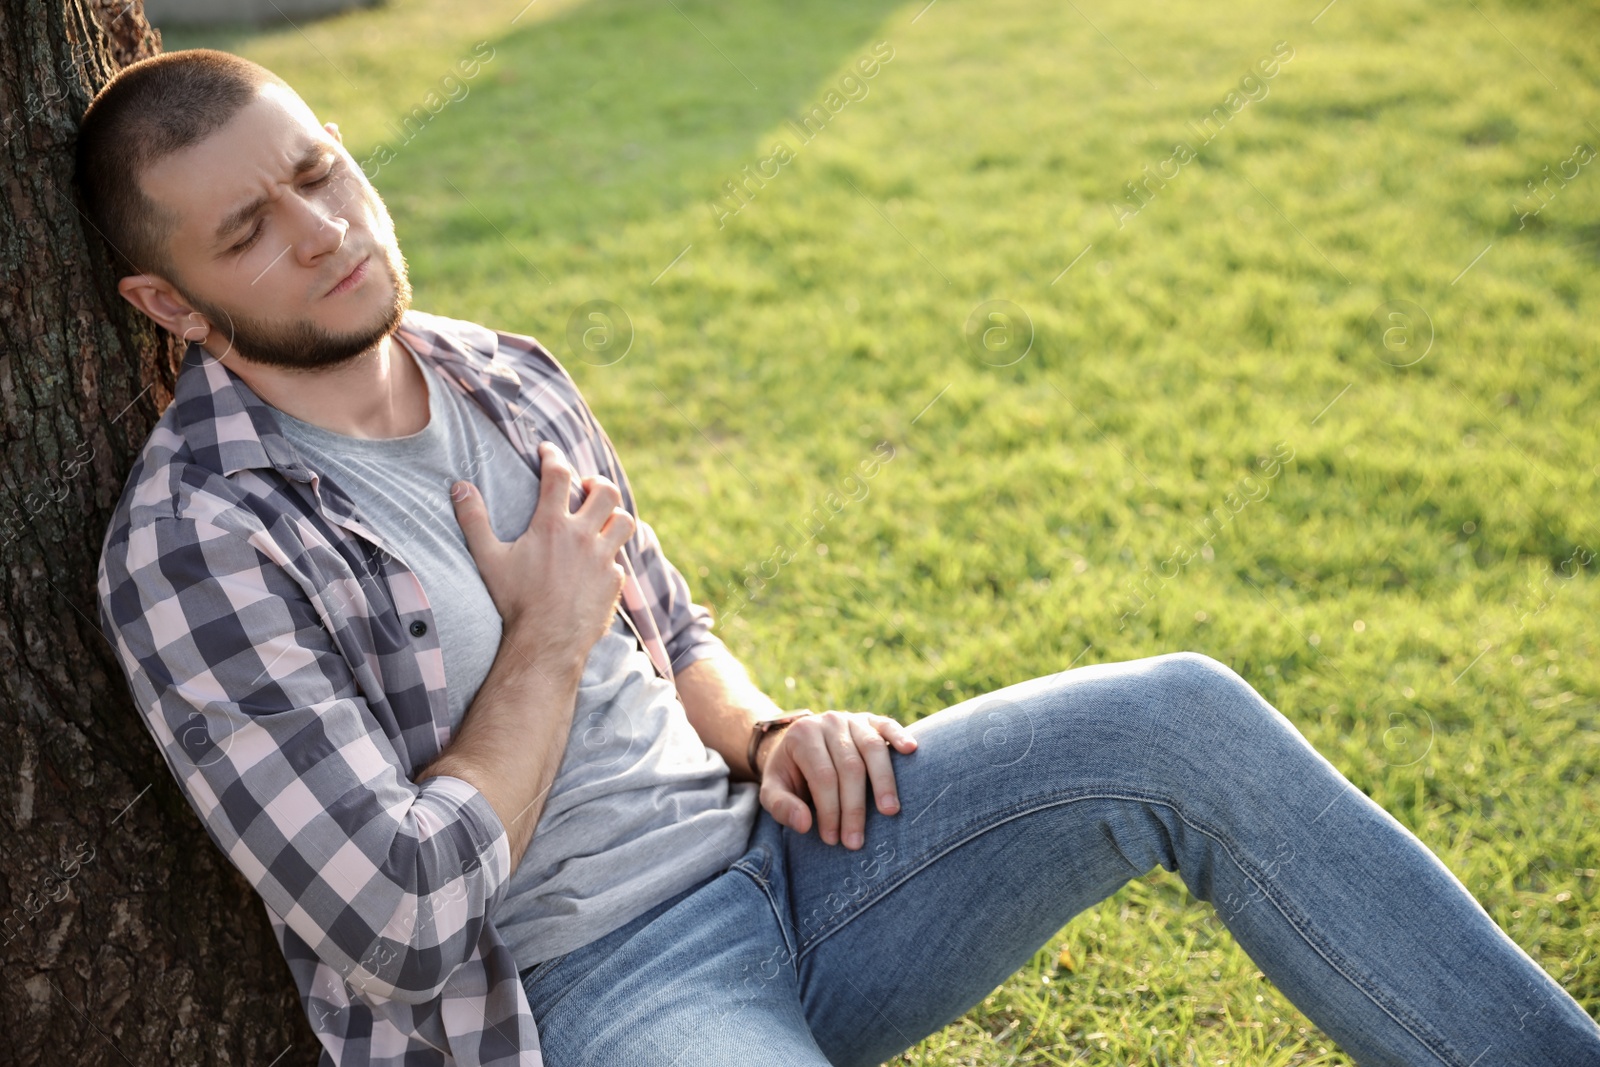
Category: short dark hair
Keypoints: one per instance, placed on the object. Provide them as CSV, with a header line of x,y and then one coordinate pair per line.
x,y
147,111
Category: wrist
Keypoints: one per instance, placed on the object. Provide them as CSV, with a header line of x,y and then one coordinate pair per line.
x,y
540,663
764,746
763,735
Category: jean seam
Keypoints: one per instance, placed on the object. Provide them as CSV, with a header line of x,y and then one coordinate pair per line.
x,y
761,881
1412,1023
766,863
1433,1043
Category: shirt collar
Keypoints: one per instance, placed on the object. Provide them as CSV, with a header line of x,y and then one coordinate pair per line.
x,y
228,428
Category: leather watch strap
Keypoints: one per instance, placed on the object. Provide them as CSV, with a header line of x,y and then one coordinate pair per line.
x,y
761,728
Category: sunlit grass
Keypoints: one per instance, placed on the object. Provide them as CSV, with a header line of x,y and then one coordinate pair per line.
x,y
1414,588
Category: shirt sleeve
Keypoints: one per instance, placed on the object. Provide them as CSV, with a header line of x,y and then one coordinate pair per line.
x,y
261,722
693,639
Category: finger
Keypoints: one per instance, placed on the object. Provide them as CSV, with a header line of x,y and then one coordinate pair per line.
x,y
555,480
601,495
620,524
810,752
851,766
473,518
874,748
618,528
785,805
869,772
895,734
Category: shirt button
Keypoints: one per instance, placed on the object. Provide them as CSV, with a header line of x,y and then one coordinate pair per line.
x,y
418,628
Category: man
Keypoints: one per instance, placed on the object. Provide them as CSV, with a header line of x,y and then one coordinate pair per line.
x,y
495,779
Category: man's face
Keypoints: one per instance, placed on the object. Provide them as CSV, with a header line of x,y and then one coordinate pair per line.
x,y
273,214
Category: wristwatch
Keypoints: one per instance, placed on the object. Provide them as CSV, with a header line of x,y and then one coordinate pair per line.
x,y
761,728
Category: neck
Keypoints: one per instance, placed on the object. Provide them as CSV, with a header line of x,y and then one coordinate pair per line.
x,y
380,393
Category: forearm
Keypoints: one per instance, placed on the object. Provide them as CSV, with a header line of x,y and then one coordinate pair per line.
x,y
511,741
722,702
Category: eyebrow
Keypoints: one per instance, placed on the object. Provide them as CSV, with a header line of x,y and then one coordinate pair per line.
x,y
316,154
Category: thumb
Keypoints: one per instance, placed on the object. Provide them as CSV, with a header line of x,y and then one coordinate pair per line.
x,y
786,806
473,518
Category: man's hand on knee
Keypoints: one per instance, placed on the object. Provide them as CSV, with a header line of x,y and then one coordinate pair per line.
x,y
831,759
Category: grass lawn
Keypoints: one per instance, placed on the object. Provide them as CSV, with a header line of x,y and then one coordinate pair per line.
x,y
1343,272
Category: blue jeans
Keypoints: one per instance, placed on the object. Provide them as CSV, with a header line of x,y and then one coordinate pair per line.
x,y
1018,810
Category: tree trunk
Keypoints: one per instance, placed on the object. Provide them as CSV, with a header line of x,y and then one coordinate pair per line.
x,y
125,936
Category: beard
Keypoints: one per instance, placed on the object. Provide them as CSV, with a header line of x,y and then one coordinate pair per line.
x,y
302,344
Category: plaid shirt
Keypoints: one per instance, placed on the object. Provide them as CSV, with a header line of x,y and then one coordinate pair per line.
x,y
287,664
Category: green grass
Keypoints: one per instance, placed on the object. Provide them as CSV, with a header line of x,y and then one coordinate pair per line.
x,y
1399,592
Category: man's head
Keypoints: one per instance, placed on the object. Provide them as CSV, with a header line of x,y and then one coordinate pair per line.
x,y
233,214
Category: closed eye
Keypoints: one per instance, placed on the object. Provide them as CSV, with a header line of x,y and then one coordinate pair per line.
x,y
255,234
250,240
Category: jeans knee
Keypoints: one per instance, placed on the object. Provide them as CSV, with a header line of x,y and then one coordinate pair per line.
x,y
1209,699
1199,673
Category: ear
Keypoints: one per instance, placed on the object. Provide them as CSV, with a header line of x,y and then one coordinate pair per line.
x,y
333,128
160,302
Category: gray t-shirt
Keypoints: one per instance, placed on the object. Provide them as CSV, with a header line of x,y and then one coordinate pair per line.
x,y
640,808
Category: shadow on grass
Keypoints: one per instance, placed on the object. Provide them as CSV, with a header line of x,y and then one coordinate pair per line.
x,y
618,111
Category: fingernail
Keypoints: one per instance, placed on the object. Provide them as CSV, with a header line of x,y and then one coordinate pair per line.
x,y
852,840
887,803
459,491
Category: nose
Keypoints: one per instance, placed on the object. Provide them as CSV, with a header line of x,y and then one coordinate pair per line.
x,y
320,229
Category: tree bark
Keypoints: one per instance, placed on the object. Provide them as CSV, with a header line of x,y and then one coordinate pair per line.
x,y
125,936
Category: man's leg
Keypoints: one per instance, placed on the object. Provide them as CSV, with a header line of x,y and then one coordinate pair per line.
x,y
1023,807
707,982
